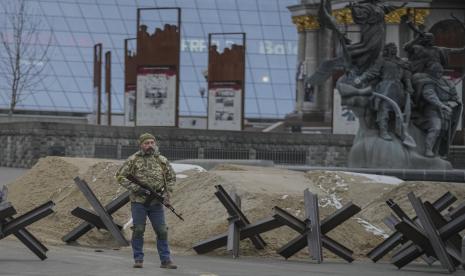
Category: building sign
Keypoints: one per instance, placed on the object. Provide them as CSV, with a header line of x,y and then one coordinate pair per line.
x,y
130,105
344,120
156,96
269,47
225,106
264,47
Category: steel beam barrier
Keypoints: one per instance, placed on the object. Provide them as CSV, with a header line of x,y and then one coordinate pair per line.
x,y
313,223
91,218
6,210
299,242
102,213
234,210
85,227
250,230
395,238
28,218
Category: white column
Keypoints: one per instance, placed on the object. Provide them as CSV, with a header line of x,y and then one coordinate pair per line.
x,y
325,50
311,64
299,97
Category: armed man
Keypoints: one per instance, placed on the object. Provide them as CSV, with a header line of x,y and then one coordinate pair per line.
x,y
155,171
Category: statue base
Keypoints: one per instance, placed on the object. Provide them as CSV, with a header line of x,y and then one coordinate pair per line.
x,y
371,151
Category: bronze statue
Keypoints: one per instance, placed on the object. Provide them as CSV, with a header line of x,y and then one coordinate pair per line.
x,y
439,109
377,83
370,16
422,52
393,80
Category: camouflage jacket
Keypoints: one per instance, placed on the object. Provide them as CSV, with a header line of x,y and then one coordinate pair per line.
x,y
151,169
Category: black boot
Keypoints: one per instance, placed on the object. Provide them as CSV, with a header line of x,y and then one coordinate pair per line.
x,y
168,265
138,264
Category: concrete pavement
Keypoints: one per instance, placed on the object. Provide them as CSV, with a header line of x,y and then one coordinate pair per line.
x,y
9,174
15,259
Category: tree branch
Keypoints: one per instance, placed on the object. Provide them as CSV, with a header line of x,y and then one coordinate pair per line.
x,y
26,57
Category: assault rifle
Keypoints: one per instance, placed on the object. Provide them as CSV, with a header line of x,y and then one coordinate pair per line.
x,y
153,195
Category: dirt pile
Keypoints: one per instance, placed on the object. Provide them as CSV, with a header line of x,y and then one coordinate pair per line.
x,y
52,179
260,188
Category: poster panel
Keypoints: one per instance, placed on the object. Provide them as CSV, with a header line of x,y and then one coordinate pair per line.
x,y
344,120
130,105
225,106
156,96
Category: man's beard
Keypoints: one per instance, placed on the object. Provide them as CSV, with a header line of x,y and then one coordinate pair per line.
x,y
151,150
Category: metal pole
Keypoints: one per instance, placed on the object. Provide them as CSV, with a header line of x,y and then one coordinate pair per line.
x,y
108,84
98,79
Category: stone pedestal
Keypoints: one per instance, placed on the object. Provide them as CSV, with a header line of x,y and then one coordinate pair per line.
x,y
313,104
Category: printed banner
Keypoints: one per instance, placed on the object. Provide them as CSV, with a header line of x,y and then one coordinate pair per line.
x,y
156,96
225,106
130,105
344,120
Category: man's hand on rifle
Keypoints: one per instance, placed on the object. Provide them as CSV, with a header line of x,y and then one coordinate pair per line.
x,y
166,199
143,192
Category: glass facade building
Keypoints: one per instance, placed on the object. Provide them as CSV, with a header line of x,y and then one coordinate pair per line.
x,y
79,24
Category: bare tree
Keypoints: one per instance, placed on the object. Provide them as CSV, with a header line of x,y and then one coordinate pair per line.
x,y
24,50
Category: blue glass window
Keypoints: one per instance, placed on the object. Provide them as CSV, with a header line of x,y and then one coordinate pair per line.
x,y
206,4
269,18
272,32
254,31
89,11
229,17
251,106
249,17
190,16
79,24
268,108
279,76
69,9
269,5
284,91
226,5
277,61
258,61
50,8
209,16
246,5
78,69
285,106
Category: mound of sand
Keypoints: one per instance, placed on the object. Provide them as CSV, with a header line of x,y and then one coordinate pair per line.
x,y
52,179
260,188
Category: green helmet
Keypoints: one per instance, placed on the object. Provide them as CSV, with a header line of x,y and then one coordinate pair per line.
x,y
144,137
